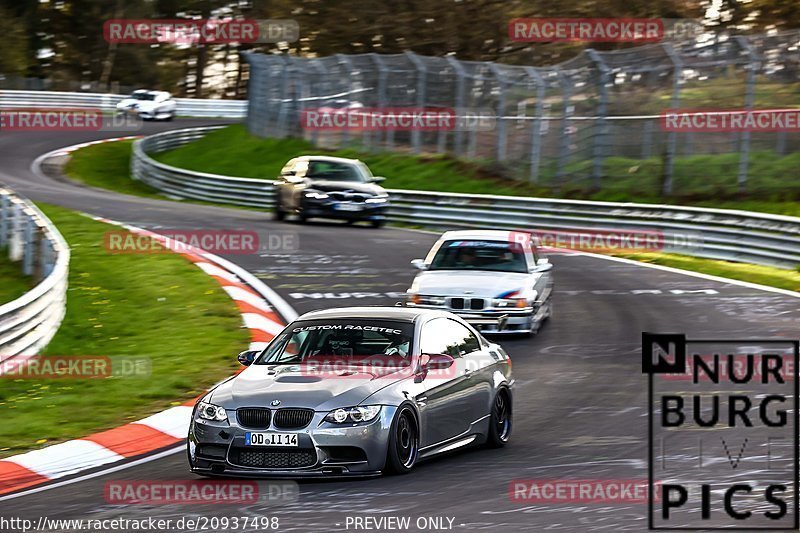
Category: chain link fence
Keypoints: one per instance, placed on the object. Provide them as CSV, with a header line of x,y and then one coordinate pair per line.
x,y
590,123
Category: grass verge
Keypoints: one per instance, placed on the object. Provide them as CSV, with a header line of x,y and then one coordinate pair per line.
x,y
232,151
107,166
763,275
707,180
158,307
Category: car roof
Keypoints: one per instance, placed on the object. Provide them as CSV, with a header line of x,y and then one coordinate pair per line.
x,y
406,314
148,91
482,234
328,158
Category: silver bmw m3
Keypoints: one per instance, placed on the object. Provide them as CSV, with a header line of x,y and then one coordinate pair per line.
x,y
355,391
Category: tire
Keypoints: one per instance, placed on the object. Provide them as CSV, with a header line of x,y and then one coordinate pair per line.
x,y
403,442
279,213
378,223
500,420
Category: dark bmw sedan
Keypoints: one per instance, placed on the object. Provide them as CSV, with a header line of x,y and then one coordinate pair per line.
x,y
330,187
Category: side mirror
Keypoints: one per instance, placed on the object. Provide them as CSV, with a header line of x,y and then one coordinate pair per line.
x,y
247,357
419,263
436,361
377,179
542,266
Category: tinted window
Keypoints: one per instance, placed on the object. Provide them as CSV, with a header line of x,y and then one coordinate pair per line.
x,y
446,336
497,256
331,171
341,338
467,342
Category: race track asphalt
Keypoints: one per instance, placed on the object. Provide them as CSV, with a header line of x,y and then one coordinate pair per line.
x,y
580,404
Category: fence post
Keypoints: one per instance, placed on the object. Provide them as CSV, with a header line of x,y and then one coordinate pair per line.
x,y
502,135
672,136
348,65
599,153
460,76
383,74
536,127
283,104
422,74
563,150
323,72
749,96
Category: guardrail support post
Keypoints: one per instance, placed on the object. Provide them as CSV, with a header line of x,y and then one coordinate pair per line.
x,y
5,215
16,241
29,248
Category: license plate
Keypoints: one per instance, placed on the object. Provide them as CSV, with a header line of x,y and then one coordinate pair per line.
x,y
270,439
349,207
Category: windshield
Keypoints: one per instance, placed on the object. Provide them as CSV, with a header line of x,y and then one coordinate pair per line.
x,y
143,96
332,171
348,341
497,256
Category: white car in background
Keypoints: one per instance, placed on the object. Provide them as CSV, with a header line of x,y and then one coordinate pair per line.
x,y
149,105
498,281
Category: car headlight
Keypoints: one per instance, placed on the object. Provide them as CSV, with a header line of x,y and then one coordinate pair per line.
x,y
376,200
353,415
424,299
511,302
209,411
316,195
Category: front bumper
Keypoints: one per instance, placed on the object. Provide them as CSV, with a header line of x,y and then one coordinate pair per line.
x,y
324,449
494,321
346,210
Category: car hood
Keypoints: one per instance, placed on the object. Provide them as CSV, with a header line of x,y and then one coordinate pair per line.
x,y
296,386
142,104
329,186
481,283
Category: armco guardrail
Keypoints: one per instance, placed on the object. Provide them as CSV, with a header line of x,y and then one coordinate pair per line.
x,y
107,102
28,323
758,238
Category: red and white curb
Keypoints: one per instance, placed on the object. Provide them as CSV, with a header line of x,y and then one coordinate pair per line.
x,y
167,427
